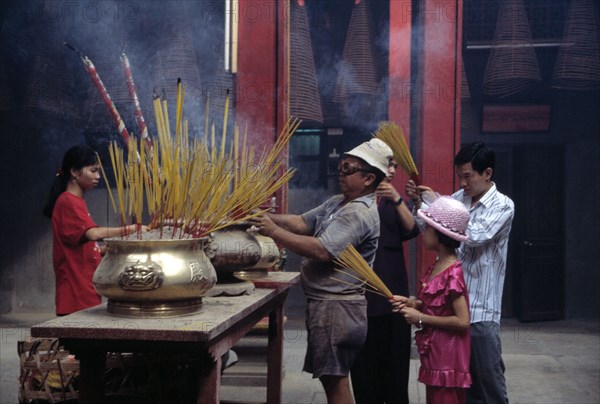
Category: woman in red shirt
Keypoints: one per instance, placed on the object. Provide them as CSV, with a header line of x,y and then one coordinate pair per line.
x,y
75,252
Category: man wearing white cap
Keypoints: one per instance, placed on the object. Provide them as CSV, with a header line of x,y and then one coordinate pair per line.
x,y
336,312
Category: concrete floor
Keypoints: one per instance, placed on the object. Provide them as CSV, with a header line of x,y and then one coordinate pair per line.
x,y
550,362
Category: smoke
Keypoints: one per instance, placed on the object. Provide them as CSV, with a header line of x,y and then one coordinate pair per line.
x,y
345,39
49,103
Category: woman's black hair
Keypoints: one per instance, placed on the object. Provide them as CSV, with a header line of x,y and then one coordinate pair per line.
x,y
76,158
447,241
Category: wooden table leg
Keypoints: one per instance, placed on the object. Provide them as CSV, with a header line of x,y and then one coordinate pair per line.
x,y
275,355
92,366
209,382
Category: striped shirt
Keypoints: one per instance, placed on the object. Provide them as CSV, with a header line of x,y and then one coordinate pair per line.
x,y
483,255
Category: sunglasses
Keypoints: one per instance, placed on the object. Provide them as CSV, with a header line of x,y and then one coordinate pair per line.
x,y
347,168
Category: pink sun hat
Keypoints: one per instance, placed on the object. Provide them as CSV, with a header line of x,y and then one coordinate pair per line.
x,y
448,216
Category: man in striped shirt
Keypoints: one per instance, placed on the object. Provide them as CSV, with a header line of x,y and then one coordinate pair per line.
x,y
483,258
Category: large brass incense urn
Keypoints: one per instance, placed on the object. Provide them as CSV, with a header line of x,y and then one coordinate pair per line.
x,y
154,278
168,277
239,255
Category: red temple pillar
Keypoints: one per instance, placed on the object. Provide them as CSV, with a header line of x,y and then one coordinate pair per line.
x,y
257,70
262,60
432,91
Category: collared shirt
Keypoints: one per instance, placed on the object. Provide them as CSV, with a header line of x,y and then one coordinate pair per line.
x,y
484,254
336,226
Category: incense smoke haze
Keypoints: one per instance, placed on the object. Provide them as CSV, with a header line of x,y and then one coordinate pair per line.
x,y
48,102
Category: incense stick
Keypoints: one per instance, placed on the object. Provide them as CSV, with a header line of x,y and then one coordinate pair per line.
x,y
356,267
193,188
393,136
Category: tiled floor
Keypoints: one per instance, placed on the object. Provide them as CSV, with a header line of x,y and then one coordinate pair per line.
x,y
550,362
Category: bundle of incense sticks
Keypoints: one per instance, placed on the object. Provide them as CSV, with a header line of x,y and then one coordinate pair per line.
x,y
355,266
393,136
190,188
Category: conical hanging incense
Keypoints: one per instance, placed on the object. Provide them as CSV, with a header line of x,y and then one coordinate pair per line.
x,y
512,65
578,62
358,73
176,56
305,99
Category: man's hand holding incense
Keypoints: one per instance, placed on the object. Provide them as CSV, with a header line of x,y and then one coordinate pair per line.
x,y
387,191
420,193
264,225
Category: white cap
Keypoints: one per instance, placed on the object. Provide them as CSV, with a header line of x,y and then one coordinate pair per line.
x,y
375,152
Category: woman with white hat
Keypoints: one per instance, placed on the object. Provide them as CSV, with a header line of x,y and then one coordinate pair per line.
x,y
442,311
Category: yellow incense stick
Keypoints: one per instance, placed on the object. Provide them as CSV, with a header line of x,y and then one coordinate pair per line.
x,y
352,261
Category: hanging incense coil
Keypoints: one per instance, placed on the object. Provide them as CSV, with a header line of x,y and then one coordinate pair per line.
x,y
465,91
6,88
468,117
305,99
50,88
358,73
6,91
176,57
578,61
512,65
467,114
214,92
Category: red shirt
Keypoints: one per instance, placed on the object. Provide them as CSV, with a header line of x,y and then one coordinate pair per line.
x,y
75,258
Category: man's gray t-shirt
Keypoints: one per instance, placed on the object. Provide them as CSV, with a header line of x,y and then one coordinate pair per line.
x,y
335,226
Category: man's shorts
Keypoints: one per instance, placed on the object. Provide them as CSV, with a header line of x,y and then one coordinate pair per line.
x,y
337,330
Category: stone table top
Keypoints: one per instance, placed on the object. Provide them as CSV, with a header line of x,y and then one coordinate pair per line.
x,y
216,316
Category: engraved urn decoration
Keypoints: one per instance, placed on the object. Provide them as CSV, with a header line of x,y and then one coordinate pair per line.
x,y
154,278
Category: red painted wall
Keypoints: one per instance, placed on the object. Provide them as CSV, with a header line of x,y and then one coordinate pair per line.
x,y
440,100
399,70
257,70
435,90
261,99
439,93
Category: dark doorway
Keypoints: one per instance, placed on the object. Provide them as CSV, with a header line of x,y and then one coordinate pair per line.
x,y
537,238
532,176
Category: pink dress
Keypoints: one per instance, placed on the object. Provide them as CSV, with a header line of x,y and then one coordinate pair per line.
x,y
445,354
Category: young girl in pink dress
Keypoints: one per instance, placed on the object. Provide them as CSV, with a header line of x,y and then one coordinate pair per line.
x,y
441,312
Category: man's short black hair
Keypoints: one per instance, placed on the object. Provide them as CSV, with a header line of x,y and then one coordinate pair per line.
x,y
478,154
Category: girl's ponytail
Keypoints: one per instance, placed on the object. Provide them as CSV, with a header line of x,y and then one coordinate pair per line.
x,y
58,187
